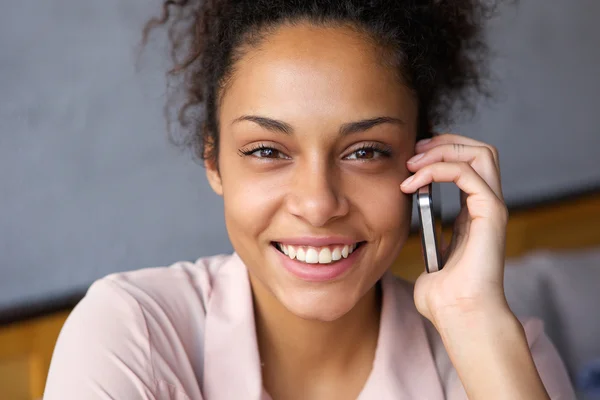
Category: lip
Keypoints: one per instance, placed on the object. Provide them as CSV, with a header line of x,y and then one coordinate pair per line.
x,y
318,272
315,241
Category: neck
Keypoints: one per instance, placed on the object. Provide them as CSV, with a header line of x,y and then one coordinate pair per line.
x,y
293,348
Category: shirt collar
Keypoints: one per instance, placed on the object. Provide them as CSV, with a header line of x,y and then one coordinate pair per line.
x,y
403,366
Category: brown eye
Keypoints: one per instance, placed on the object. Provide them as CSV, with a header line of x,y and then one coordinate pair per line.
x,y
368,153
365,154
264,152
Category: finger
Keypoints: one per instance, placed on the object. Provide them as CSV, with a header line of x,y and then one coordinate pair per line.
x,y
483,234
449,138
485,203
480,158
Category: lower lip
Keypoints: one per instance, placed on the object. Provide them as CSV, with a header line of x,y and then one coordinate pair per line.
x,y
318,272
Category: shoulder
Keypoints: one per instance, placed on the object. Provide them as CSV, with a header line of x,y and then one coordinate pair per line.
x,y
149,322
168,296
181,284
168,304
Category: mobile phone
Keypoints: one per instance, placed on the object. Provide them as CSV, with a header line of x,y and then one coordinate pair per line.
x,y
429,210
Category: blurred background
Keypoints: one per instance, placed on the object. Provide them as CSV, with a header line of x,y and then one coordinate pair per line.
x,y
90,185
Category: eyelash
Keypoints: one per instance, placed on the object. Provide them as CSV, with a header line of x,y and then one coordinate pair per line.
x,y
383,150
253,149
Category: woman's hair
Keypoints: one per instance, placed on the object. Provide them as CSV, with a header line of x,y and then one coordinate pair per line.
x,y
436,46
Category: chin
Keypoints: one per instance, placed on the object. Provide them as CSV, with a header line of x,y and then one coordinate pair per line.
x,y
318,304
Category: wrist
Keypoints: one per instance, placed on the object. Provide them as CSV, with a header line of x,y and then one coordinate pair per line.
x,y
465,326
471,311
489,351
481,325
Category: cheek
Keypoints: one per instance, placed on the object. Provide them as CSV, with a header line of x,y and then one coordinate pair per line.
x,y
251,201
386,212
384,207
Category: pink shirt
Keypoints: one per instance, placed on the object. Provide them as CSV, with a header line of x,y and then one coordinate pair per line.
x,y
187,332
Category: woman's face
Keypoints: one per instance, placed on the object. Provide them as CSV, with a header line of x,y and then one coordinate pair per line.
x,y
299,175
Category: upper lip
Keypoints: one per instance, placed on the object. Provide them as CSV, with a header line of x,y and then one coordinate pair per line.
x,y
319,241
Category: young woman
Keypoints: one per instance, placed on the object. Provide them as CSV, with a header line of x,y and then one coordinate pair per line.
x,y
315,133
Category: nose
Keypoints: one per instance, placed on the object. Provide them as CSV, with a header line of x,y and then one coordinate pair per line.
x,y
316,195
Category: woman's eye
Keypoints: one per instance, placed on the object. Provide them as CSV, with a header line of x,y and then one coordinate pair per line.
x,y
265,152
367,153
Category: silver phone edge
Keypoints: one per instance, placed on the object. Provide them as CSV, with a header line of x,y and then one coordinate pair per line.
x,y
428,234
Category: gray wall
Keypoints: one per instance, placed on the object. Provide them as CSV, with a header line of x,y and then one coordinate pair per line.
x,y
89,184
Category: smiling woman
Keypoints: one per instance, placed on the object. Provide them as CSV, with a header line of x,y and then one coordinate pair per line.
x,y
312,112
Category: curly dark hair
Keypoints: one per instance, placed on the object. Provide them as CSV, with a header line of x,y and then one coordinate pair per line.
x,y
437,46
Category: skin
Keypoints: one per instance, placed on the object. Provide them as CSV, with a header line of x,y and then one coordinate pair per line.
x,y
318,340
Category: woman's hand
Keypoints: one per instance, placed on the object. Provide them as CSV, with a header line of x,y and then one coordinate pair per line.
x,y
465,300
472,277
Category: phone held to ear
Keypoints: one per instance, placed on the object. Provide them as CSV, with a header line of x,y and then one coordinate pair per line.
x,y
429,209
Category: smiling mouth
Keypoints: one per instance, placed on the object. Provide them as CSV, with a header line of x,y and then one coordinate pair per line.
x,y
317,255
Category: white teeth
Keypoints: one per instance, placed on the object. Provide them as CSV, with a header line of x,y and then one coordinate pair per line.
x,y
345,251
336,254
317,255
311,256
301,255
291,252
325,256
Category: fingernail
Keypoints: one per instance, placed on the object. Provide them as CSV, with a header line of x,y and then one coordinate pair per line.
x,y
408,180
416,158
422,142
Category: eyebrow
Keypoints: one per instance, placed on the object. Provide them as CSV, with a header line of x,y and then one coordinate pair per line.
x,y
346,129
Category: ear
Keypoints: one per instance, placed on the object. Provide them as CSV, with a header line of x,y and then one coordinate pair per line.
x,y
213,176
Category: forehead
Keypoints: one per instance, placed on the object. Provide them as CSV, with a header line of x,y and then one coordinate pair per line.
x,y
320,71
